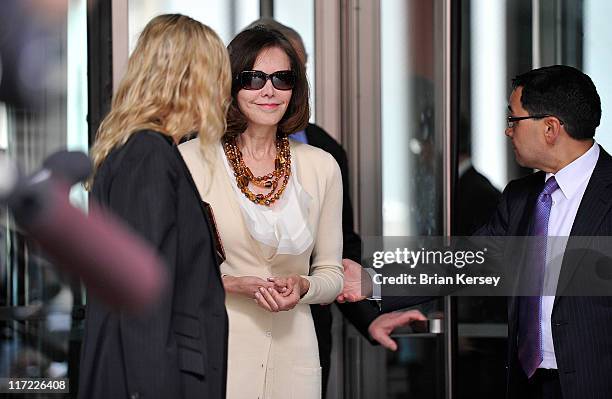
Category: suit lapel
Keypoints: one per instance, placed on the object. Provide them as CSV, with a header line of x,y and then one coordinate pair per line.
x,y
596,200
594,206
524,227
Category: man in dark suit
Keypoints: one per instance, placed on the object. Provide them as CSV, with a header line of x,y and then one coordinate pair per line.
x,y
554,113
559,346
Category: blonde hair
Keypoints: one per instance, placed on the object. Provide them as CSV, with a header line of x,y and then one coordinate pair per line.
x,y
178,82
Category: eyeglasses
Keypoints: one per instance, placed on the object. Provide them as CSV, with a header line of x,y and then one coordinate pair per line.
x,y
255,80
513,120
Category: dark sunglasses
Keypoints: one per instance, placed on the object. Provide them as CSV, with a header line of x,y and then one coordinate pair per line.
x,y
255,80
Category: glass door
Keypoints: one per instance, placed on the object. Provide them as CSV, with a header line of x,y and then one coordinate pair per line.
x,y
413,51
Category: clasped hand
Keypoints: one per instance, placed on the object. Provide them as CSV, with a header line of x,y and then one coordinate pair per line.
x,y
274,294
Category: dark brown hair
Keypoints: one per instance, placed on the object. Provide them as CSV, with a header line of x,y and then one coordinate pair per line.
x,y
243,51
564,92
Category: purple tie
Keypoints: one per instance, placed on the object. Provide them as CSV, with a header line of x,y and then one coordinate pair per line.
x,y
530,307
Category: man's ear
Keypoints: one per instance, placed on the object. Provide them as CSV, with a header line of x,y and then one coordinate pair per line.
x,y
553,129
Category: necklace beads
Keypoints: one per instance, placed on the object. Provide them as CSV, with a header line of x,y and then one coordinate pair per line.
x,y
244,176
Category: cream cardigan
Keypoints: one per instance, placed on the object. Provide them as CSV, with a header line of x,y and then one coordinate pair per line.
x,y
275,355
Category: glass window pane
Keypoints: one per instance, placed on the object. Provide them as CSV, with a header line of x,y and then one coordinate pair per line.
x,y
299,15
226,17
597,61
76,90
412,168
411,141
488,92
3,128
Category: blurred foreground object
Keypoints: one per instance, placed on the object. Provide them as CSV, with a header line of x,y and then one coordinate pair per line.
x,y
115,264
32,46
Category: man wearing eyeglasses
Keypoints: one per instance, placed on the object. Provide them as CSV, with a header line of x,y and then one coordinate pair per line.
x,y
558,346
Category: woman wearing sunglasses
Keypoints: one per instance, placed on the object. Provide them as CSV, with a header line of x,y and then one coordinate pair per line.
x,y
277,203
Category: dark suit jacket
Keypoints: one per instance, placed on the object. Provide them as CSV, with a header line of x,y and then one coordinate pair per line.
x,y
359,314
476,201
179,350
581,326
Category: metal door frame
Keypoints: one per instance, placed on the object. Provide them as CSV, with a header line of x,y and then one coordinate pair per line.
x,y
348,70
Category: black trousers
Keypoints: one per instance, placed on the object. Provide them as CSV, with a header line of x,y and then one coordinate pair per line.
x,y
322,318
544,385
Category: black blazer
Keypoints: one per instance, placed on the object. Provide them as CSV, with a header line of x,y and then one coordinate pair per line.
x,y
581,326
476,200
179,350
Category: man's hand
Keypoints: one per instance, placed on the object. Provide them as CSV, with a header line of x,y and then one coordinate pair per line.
x,y
382,327
353,275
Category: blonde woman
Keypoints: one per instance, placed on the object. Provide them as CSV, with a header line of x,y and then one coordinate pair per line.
x,y
277,204
177,83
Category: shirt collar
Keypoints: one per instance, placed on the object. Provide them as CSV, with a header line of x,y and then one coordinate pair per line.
x,y
300,136
572,176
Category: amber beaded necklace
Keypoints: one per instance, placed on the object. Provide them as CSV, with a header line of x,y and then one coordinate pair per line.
x,y
244,176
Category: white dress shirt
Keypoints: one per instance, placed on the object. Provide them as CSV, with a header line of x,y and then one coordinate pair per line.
x,y
572,180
